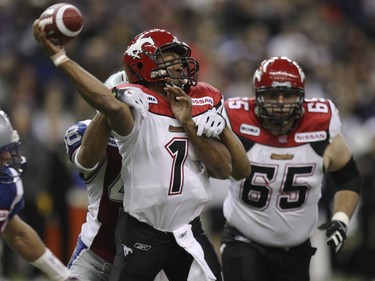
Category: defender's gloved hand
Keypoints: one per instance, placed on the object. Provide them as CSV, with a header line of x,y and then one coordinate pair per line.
x,y
335,233
133,97
211,123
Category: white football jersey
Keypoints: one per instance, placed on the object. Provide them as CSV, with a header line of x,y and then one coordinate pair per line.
x,y
277,205
166,185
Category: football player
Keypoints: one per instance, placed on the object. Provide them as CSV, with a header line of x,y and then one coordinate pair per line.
x,y
292,142
99,163
165,163
20,236
95,154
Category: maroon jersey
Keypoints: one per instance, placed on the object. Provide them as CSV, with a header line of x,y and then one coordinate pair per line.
x,y
105,194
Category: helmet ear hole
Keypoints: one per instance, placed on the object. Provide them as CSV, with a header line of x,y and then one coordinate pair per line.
x,y
140,65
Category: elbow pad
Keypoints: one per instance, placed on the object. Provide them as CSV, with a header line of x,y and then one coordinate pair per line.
x,y
348,177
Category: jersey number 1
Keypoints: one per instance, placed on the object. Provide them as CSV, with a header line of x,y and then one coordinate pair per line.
x,y
178,149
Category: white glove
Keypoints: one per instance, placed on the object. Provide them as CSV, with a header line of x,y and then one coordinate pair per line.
x,y
133,97
211,124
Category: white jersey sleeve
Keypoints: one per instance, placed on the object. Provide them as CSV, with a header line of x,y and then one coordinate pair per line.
x,y
335,124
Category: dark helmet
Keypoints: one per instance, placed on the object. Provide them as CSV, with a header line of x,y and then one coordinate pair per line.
x,y
9,142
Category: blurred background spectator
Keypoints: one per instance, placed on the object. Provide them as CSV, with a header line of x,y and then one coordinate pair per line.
x,y
333,40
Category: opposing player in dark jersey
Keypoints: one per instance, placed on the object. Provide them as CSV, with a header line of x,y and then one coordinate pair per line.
x,y
95,154
99,163
292,142
165,164
21,237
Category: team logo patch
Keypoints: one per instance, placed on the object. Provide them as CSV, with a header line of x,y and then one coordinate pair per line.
x,y
249,130
142,247
175,129
275,156
203,101
136,49
126,250
310,137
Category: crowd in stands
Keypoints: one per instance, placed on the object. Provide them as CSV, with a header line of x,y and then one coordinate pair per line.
x,y
333,40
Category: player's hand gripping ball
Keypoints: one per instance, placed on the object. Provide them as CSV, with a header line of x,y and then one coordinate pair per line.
x,y
62,22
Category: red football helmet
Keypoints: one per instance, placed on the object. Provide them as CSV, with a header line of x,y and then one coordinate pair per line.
x,y
140,58
279,75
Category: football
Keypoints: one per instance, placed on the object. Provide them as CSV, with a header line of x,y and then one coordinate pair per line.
x,y
62,22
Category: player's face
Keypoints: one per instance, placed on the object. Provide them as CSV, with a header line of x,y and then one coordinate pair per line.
x,y
172,63
280,108
280,103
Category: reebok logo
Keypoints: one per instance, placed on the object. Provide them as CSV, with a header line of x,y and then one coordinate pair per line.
x,y
142,247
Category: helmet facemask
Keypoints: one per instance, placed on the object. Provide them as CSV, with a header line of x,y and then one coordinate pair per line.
x,y
15,161
279,85
188,75
9,156
279,114
145,60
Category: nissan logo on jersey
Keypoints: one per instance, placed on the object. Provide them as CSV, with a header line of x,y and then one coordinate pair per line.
x,y
310,137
